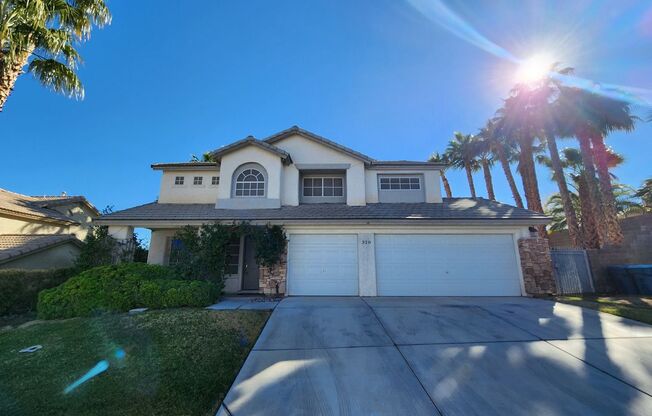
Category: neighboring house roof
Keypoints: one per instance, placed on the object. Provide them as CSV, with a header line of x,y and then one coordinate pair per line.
x,y
451,210
250,141
36,208
13,246
186,166
319,139
47,201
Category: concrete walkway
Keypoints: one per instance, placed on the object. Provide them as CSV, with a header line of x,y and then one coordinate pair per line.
x,y
244,302
451,356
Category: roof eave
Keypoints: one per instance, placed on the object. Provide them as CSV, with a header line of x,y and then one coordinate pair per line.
x,y
174,223
49,220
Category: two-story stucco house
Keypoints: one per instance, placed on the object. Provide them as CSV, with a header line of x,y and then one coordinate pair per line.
x,y
42,232
355,225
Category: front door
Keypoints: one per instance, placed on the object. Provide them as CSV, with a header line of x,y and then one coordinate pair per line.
x,y
249,266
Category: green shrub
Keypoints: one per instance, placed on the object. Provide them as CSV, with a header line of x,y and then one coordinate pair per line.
x,y
120,288
19,288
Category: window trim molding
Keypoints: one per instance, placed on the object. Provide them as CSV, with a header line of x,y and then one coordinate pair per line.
x,y
402,195
238,172
303,199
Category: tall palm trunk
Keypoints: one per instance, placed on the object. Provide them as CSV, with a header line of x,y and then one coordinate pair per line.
x,y
530,183
587,227
593,235
487,179
447,186
9,73
569,211
510,178
614,234
469,177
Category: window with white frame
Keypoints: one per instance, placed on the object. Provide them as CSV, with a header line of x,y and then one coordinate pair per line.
x,y
215,180
197,180
178,180
250,183
323,186
400,183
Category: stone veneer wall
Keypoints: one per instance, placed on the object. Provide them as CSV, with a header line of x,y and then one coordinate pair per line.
x,y
537,266
269,277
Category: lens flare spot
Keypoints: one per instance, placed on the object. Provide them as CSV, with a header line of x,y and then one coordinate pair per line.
x,y
534,68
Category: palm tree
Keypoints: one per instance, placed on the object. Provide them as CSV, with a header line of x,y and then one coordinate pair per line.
x,y
461,155
44,34
645,193
517,121
484,155
503,151
442,158
591,116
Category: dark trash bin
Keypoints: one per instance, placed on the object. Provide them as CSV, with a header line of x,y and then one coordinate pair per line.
x,y
623,280
642,276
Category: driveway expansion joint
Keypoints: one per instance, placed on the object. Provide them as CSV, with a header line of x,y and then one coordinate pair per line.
x,y
404,358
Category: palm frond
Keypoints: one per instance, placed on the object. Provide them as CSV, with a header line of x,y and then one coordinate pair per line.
x,y
57,76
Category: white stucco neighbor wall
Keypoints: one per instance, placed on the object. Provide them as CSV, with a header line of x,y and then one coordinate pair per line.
x,y
188,193
251,154
306,151
431,179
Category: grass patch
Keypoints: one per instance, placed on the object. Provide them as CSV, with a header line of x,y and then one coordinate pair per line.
x,y
177,362
633,307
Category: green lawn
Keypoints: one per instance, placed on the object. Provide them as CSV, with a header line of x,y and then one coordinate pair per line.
x,y
177,362
632,307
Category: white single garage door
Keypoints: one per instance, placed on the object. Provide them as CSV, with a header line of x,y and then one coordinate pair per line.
x,y
323,264
446,265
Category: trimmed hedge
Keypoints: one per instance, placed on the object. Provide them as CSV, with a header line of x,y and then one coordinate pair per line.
x,y
121,288
19,288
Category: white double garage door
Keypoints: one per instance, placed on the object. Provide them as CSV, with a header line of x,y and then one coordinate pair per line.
x,y
403,265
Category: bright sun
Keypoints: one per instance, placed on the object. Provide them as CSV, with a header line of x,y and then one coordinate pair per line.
x,y
533,68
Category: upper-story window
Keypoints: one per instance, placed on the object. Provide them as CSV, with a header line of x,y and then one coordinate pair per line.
x,y
215,180
197,180
397,183
320,188
250,181
178,180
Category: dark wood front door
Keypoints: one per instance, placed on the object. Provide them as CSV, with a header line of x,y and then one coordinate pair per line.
x,y
249,266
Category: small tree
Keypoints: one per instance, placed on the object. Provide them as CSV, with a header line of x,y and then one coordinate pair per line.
x,y
98,249
202,255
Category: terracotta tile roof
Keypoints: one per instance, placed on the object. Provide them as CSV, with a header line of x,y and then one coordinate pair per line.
x,y
17,245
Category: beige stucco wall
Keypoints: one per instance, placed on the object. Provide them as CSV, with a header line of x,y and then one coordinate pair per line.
x,y
306,151
431,180
272,164
53,258
188,193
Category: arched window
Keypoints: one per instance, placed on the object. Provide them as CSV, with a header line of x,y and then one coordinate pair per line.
x,y
249,181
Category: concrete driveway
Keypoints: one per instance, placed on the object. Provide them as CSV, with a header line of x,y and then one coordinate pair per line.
x,y
450,356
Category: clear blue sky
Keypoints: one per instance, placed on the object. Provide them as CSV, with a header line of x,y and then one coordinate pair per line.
x,y
168,79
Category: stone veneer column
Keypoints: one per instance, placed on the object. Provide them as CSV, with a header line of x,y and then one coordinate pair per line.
x,y
270,277
536,265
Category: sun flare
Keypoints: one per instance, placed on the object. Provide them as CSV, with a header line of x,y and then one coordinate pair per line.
x,y
533,68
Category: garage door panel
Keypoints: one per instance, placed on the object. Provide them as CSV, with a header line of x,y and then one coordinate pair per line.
x,y
446,265
323,264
